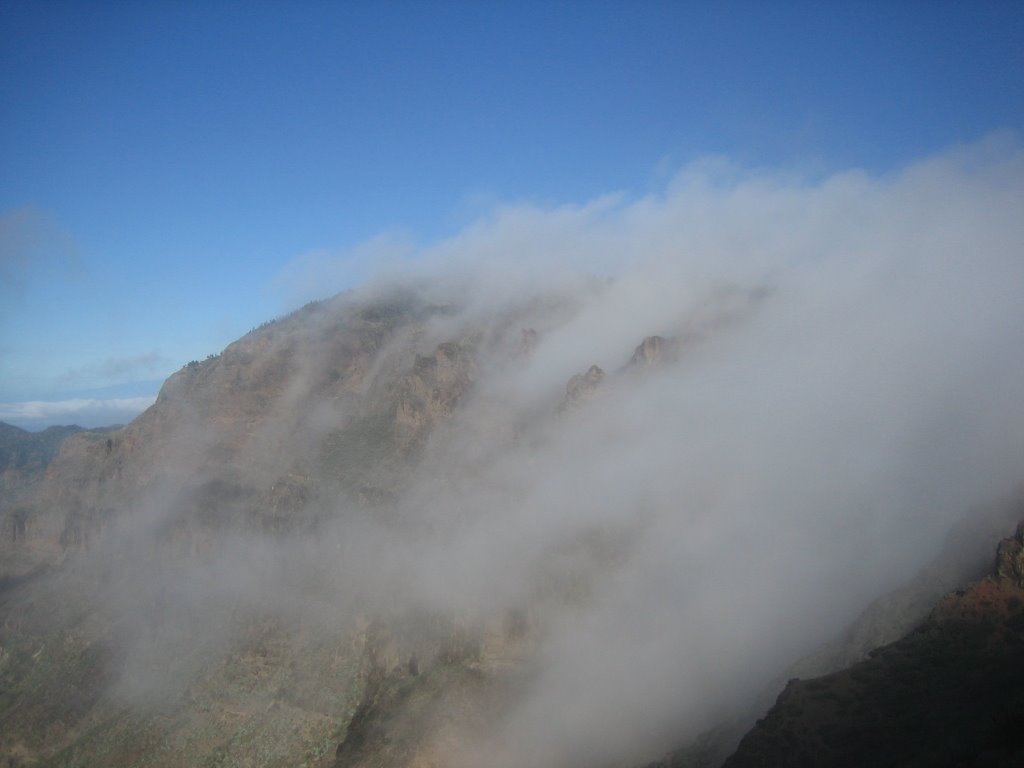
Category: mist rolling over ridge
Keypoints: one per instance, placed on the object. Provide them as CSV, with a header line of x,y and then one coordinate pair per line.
x,y
597,473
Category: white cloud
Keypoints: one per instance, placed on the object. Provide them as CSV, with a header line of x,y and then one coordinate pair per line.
x,y
86,412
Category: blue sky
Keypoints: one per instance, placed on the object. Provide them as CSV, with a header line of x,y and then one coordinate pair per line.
x,y
162,164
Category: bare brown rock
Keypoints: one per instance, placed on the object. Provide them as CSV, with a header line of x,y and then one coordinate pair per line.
x,y
582,387
430,393
1010,558
651,351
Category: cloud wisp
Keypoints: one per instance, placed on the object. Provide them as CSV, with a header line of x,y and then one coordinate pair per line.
x,y
85,412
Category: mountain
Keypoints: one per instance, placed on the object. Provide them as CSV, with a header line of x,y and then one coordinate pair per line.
x,y
432,526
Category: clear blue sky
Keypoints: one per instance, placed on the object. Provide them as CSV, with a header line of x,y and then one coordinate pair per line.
x,y
160,162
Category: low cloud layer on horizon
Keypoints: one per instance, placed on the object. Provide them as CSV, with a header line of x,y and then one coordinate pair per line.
x,y
85,412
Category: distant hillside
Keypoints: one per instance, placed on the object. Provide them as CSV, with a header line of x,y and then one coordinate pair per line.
x,y
31,451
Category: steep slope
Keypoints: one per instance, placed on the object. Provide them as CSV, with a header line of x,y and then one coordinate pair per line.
x,y
951,693
966,557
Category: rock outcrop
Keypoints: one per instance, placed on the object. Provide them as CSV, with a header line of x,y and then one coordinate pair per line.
x,y
583,387
430,393
1010,558
654,351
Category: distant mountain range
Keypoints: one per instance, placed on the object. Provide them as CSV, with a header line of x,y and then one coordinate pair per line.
x,y
30,451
